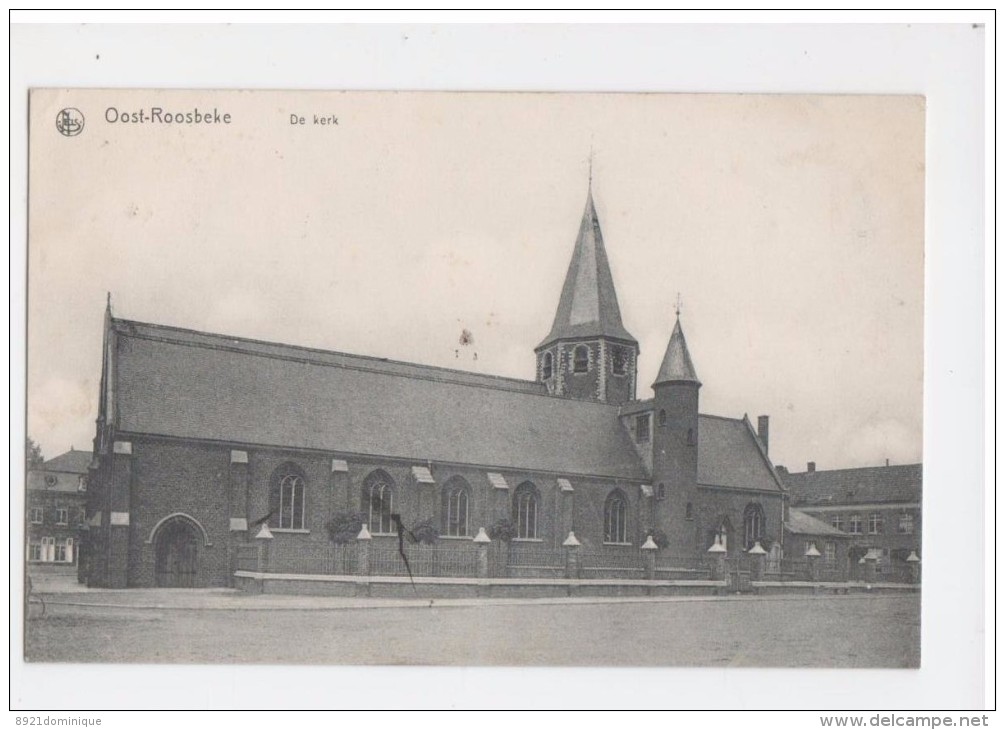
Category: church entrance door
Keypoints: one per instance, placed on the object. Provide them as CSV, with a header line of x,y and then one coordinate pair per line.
x,y
176,555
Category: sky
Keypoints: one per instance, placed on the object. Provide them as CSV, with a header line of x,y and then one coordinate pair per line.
x,y
791,226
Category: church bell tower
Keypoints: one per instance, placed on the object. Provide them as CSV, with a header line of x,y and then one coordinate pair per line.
x,y
589,355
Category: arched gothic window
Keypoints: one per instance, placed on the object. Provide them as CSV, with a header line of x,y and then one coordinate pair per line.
x,y
619,360
288,498
616,517
456,500
546,366
581,359
525,500
753,525
378,502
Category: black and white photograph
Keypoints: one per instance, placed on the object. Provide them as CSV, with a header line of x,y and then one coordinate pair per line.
x,y
417,378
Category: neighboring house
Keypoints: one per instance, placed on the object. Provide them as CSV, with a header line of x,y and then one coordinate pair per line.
x,y
57,494
879,507
201,436
804,533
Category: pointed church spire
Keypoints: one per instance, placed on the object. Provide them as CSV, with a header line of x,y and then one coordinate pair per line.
x,y
677,366
588,306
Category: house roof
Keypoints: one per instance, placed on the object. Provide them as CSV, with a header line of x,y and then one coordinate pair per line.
x,y
73,461
800,523
178,383
730,456
677,365
867,485
588,306
61,473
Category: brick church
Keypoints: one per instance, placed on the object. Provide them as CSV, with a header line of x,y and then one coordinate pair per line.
x,y
202,437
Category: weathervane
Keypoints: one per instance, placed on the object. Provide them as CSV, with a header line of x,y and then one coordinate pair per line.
x,y
678,305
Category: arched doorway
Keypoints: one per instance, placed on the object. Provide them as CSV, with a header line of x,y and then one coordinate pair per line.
x,y
176,548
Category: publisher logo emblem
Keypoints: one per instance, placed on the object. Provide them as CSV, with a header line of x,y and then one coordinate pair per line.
x,y
70,122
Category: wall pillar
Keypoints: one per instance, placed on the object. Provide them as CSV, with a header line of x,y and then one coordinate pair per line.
x,y
237,508
264,542
338,496
758,557
567,506
914,562
571,546
717,560
812,562
649,549
363,561
119,498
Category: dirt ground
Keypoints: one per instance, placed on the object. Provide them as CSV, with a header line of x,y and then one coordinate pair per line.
x,y
811,631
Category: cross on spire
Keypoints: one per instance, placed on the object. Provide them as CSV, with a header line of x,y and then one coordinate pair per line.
x,y
679,305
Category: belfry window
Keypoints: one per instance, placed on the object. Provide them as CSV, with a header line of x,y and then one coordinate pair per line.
x,y
581,359
642,428
546,366
619,360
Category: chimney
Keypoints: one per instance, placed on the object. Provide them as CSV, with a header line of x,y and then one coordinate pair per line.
x,y
762,431
888,462
811,466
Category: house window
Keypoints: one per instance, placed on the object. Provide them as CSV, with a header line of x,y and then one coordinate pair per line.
x,y
661,491
581,359
663,418
48,549
456,497
830,552
619,360
378,503
753,525
60,555
36,516
905,525
642,428
875,523
855,525
689,511
546,366
34,551
837,522
616,518
61,516
525,511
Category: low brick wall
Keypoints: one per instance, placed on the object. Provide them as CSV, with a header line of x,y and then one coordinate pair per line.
x,y
426,587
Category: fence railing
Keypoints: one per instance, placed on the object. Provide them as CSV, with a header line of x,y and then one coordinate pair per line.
x,y
457,561
314,559
670,567
520,556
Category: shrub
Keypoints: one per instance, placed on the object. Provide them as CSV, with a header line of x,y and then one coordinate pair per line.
x,y
344,527
504,530
426,532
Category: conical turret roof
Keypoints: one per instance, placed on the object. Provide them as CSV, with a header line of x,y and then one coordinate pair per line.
x,y
677,366
588,306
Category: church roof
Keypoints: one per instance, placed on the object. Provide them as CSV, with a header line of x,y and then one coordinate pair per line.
x,y
729,456
186,384
588,306
677,365
181,383
867,485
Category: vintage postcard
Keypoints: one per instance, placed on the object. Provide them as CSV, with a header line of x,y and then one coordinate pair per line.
x,y
474,378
